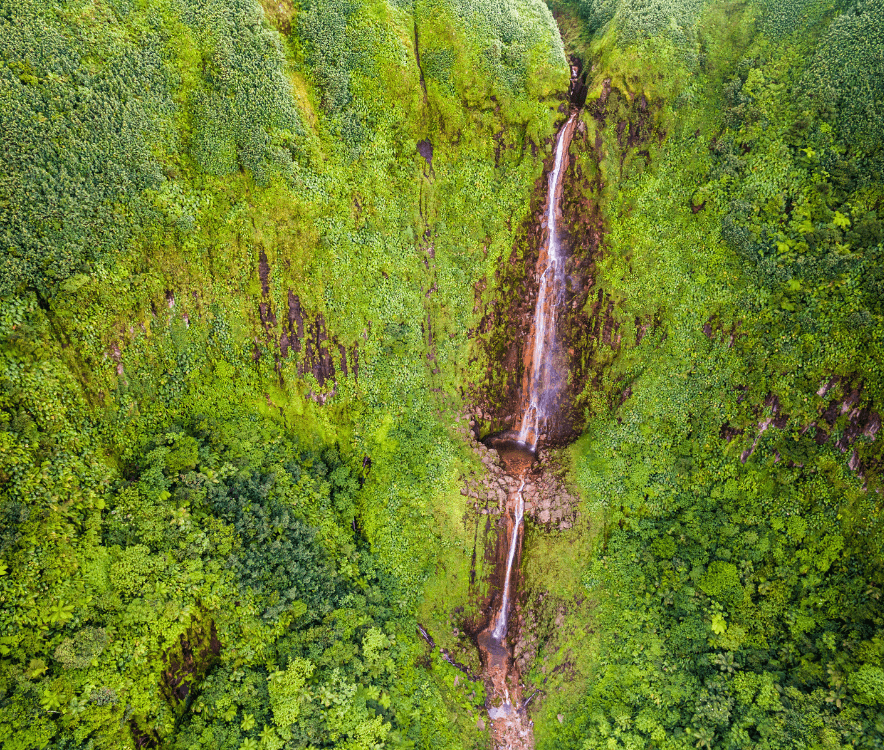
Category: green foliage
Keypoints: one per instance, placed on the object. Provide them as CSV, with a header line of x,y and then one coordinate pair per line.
x,y
737,582
209,541
185,512
184,537
287,693
80,651
846,78
780,18
323,27
868,685
243,113
278,560
507,33
635,19
722,581
82,111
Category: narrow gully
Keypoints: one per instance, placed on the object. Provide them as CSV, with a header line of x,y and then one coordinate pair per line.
x,y
542,384
499,631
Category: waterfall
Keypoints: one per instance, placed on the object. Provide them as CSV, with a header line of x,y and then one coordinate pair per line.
x,y
499,631
539,400
541,376
540,387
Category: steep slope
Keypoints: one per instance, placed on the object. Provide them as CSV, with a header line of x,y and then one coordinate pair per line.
x,y
267,274
241,253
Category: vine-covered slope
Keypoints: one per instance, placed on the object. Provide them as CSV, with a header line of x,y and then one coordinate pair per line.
x,y
240,251
245,246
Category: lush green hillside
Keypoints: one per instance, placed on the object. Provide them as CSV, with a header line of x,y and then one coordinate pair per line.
x,y
733,459
234,321
245,246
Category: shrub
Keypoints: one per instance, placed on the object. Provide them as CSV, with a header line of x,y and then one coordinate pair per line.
x,y
635,19
244,111
846,78
79,651
80,111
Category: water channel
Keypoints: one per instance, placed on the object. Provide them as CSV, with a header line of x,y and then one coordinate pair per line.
x,y
541,388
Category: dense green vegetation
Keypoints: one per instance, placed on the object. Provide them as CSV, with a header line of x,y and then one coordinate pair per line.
x,y
235,315
738,580
221,442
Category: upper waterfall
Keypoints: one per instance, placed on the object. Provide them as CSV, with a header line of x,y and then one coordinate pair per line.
x,y
540,386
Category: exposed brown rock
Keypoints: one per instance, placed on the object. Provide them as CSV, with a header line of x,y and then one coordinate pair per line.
x,y
303,335
197,652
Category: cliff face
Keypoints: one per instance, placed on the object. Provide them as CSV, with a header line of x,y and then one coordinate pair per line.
x,y
588,329
266,275
240,248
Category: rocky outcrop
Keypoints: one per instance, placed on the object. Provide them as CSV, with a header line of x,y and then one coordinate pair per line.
x,y
843,421
293,331
548,502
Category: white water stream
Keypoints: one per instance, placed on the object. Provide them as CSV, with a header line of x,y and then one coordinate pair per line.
x,y
499,631
551,284
512,730
541,374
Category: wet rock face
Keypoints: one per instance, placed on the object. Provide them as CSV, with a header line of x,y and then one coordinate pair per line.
x,y
549,507
579,88
584,319
548,502
516,458
425,149
586,327
843,420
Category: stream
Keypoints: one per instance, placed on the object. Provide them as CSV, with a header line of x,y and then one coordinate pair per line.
x,y
542,385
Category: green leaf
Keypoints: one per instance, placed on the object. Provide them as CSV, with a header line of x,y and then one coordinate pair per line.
x,y
36,667
50,701
841,220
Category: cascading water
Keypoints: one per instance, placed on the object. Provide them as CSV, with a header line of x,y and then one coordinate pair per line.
x,y
539,389
540,393
499,631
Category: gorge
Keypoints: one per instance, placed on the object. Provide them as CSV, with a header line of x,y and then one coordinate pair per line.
x,y
441,374
542,377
